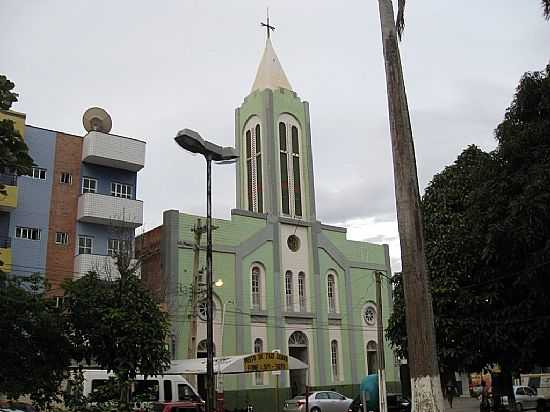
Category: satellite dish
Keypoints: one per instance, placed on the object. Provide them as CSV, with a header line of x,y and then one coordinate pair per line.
x,y
98,120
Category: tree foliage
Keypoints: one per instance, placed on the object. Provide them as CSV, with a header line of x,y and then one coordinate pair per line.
x,y
34,352
117,325
7,96
452,247
14,153
487,225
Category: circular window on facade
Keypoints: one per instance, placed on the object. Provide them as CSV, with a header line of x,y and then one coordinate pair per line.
x,y
369,315
293,243
202,310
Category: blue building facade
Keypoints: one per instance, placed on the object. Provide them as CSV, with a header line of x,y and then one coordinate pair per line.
x,y
75,209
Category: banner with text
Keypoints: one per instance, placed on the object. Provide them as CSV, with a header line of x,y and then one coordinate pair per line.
x,y
265,361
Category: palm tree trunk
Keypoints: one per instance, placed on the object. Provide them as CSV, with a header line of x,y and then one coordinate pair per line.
x,y
425,381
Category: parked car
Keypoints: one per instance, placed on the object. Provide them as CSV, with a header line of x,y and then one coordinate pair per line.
x,y
526,398
187,406
395,401
321,401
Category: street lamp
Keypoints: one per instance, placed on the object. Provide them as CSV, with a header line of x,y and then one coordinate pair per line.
x,y
193,142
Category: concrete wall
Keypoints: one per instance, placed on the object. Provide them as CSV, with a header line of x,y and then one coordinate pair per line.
x,y
63,206
34,204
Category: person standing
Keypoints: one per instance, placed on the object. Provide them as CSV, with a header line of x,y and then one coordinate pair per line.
x,y
484,405
451,393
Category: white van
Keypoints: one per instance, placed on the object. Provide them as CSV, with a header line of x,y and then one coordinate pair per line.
x,y
161,388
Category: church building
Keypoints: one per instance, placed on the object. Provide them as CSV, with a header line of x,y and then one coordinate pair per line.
x,y
290,282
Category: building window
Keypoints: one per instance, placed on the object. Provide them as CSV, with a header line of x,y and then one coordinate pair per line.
x,y
116,247
202,309
302,291
30,233
334,359
372,357
254,178
288,291
369,314
66,178
61,238
121,190
85,245
289,163
258,347
283,160
331,293
38,173
293,243
89,185
256,288
296,172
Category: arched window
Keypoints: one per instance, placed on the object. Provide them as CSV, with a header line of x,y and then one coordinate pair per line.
x,y
372,357
258,347
297,340
256,285
254,179
202,349
334,359
331,294
288,291
302,291
289,162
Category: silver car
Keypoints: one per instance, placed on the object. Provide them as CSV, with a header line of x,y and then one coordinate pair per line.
x,y
322,401
526,398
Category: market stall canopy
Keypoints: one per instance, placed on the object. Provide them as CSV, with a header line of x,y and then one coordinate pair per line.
x,y
254,362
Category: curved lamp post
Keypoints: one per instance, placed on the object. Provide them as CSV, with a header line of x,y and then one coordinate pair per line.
x,y
192,141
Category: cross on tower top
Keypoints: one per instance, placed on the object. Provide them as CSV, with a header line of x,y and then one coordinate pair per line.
x,y
267,26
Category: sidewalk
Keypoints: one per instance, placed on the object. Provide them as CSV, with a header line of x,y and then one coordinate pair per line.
x,y
463,405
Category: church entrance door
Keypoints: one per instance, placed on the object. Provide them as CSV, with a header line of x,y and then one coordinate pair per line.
x,y
298,348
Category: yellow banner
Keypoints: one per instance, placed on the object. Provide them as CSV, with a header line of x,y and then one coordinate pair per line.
x,y
265,361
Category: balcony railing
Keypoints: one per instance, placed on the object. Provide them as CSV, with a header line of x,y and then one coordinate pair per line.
x,y
5,242
8,179
110,210
104,265
113,151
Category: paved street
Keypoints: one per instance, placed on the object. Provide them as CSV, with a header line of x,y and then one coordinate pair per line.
x,y
463,405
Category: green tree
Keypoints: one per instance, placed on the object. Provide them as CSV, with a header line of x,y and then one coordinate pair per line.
x,y
518,239
14,153
454,236
116,324
34,352
487,228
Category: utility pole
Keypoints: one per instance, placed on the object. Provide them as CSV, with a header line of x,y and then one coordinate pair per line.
x,y
197,230
380,346
425,381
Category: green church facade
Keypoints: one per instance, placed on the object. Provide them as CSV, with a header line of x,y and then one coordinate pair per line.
x,y
291,283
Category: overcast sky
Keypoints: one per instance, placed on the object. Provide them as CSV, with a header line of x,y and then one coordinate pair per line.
x,y
158,67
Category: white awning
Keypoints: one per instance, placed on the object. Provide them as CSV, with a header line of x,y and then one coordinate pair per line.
x,y
253,362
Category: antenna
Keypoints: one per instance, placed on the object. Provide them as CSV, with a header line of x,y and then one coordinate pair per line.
x,y
96,119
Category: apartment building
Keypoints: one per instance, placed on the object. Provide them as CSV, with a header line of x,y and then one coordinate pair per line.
x,y
75,209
